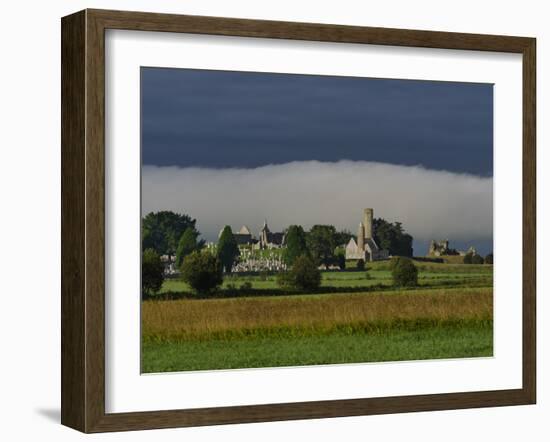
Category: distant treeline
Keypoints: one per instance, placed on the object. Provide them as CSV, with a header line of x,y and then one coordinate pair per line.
x,y
162,231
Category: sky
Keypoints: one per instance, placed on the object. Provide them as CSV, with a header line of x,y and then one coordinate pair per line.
x,y
239,147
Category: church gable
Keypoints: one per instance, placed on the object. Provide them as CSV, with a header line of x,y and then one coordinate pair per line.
x,y
351,245
353,251
244,231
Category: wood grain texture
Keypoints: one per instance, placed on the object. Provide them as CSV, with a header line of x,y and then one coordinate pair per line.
x,y
529,221
95,222
83,220
145,21
73,253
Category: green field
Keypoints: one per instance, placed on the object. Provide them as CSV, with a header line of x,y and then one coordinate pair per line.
x,y
378,273
337,348
351,318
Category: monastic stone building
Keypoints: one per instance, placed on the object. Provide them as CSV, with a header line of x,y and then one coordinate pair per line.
x,y
269,239
244,236
365,247
266,238
441,248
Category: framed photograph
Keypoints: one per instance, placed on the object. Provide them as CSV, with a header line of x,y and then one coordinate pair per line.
x,y
268,221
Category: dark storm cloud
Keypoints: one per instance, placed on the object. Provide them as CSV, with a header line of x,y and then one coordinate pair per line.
x,y
216,119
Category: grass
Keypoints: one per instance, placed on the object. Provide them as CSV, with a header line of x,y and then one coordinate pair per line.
x,y
351,318
433,343
188,319
451,267
430,275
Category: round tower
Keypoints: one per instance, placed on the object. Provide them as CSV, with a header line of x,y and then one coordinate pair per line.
x,y
367,221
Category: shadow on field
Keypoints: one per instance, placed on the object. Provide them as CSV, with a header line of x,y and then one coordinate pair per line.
x,y
251,292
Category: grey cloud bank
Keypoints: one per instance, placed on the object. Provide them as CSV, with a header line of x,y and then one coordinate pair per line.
x,y
429,203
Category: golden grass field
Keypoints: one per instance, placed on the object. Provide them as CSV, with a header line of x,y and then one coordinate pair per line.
x,y
190,319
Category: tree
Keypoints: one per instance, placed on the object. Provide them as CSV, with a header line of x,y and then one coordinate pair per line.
x,y
228,250
477,259
468,258
392,237
489,259
360,265
341,260
186,245
147,241
162,231
321,242
202,271
303,275
404,272
152,272
295,244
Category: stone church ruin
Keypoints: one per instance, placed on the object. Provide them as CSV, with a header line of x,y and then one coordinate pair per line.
x,y
365,247
266,238
441,248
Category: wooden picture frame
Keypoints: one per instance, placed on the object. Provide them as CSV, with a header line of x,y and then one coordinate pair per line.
x,y
83,220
